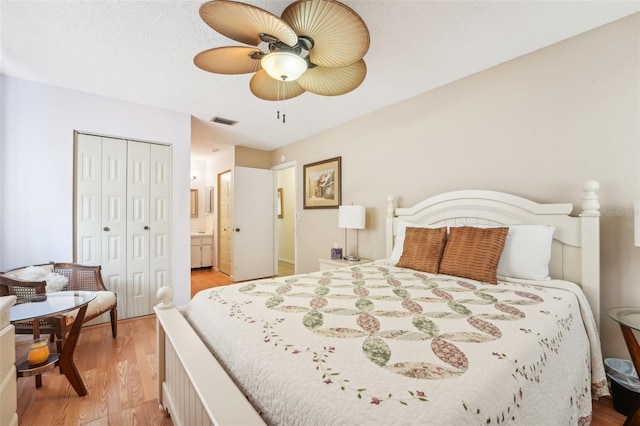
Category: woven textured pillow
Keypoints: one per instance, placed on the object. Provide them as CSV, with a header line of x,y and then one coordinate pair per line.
x,y
422,249
474,253
398,243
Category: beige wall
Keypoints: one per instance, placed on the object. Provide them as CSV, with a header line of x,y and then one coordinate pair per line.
x,y
538,126
250,157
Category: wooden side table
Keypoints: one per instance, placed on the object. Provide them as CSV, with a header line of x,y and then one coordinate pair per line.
x,y
326,264
629,319
48,305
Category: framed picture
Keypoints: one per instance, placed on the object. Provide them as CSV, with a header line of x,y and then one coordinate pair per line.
x,y
279,205
323,184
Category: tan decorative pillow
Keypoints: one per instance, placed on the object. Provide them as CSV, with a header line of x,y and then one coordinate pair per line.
x,y
422,249
473,252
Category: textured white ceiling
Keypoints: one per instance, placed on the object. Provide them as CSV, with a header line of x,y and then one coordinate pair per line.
x,y
142,51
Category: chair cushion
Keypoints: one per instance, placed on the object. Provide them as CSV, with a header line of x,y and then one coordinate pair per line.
x,y
103,302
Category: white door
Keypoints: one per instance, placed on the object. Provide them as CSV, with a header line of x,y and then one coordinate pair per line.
x,y
101,209
225,219
253,218
137,229
159,220
88,200
114,217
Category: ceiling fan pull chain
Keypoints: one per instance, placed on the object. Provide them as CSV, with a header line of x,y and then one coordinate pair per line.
x,y
284,96
278,99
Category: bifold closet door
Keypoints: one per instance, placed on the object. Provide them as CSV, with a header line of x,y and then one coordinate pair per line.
x,y
123,220
148,198
113,226
137,228
159,220
101,227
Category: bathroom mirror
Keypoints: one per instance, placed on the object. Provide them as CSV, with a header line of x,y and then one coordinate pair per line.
x,y
194,203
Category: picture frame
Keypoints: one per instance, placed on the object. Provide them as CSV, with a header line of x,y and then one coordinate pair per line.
x,y
322,184
279,205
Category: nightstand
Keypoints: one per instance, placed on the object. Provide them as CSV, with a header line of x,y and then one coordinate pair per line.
x,y
326,264
629,319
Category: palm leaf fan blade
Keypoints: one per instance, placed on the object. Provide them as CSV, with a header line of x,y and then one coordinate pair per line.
x,y
244,23
333,81
228,60
265,87
340,36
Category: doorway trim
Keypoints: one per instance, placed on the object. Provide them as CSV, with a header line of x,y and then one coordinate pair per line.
x,y
276,169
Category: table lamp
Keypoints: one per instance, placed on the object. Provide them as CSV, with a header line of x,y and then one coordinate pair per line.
x,y
351,217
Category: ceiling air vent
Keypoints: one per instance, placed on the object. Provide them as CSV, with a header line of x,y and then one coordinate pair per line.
x,y
224,121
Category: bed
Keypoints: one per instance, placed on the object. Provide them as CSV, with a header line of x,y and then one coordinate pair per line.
x,y
385,343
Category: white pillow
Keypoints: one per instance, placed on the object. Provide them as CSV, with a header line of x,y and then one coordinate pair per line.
x,y
526,253
398,243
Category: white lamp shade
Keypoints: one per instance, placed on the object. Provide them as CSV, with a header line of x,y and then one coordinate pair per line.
x,y
284,66
351,217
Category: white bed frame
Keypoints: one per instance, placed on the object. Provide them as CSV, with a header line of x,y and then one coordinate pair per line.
x,y
195,390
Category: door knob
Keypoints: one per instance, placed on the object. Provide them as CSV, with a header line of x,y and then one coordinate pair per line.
x,y
106,228
146,228
237,229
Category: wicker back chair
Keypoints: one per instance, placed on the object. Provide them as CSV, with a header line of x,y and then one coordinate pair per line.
x,y
23,289
81,277
89,278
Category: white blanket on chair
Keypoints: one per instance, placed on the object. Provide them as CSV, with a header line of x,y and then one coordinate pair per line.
x,y
55,281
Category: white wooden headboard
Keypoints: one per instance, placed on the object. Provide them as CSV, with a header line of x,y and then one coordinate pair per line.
x,y
575,253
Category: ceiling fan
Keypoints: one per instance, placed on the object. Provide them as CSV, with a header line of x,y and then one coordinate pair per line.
x,y
316,46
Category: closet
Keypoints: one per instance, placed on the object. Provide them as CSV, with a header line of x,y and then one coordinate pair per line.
x,y
122,216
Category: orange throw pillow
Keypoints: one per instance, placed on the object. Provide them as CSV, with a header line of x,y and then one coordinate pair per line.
x,y
422,249
474,252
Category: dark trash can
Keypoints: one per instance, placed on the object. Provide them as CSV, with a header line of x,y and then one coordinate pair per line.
x,y
625,386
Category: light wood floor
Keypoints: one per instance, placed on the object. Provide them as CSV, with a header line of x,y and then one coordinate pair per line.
x,y
204,278
120,375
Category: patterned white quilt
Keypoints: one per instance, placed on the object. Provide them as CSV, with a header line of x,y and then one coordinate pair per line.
x,y
378,345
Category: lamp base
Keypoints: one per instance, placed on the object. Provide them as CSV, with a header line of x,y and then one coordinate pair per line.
x,y
351,258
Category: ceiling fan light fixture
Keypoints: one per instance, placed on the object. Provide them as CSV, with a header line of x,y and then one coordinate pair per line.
x,y
316,46
283,66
